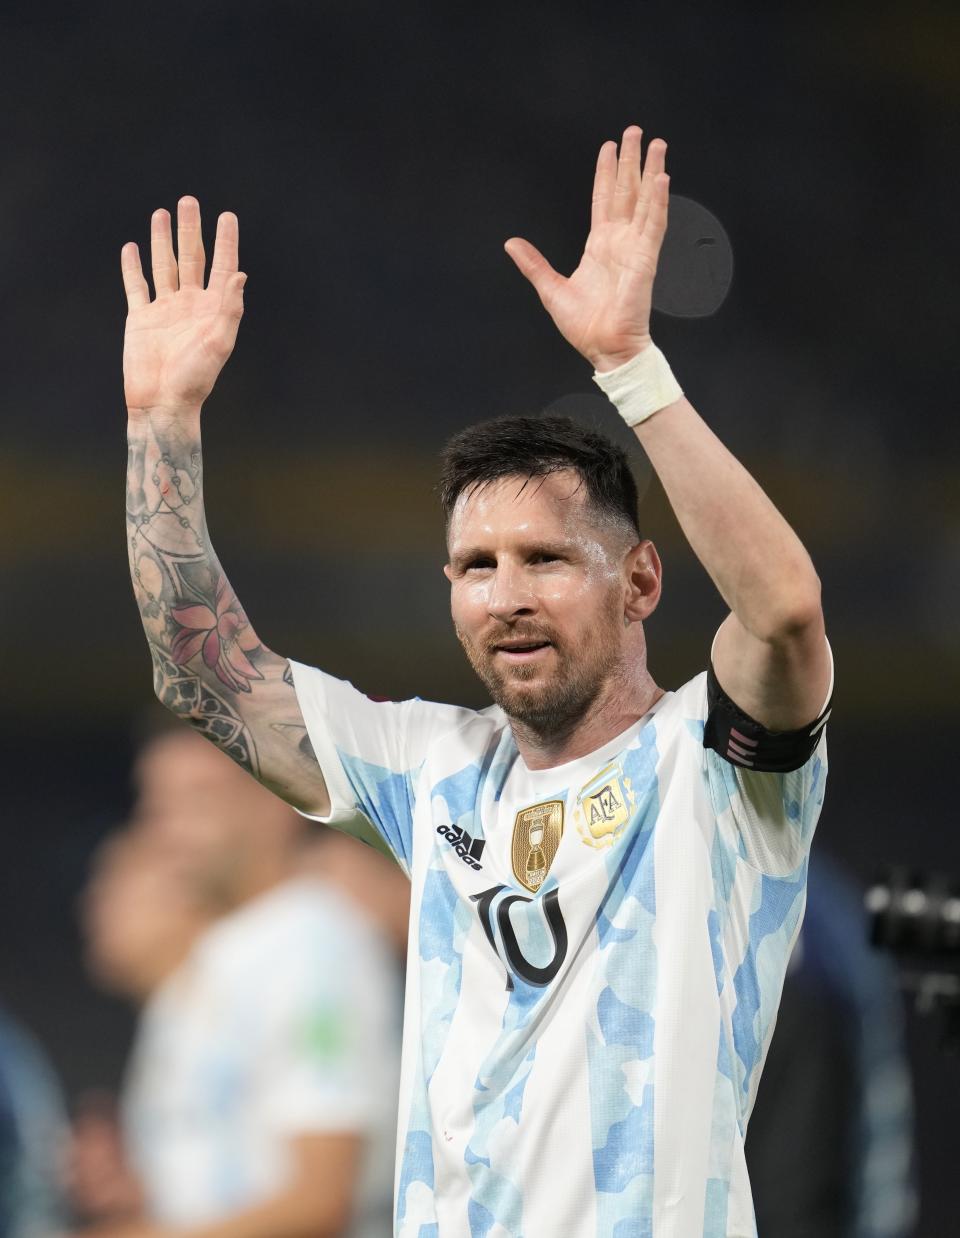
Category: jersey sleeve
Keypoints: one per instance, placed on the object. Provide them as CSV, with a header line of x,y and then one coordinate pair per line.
x,y
370,753
770,782
331,1053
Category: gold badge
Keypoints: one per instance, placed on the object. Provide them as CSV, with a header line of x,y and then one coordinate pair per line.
x,y
604,806
536,836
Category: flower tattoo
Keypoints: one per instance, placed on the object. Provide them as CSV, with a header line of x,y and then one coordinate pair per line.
x,y
221,634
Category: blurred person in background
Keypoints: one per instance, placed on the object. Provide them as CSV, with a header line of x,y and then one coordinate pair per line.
x,y
836,1095
33,1132
143,910
260,1099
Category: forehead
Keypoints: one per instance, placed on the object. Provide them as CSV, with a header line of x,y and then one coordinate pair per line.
x,y
554,505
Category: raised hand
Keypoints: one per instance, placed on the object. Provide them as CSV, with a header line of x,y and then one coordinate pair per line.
x,y
175,345
603,308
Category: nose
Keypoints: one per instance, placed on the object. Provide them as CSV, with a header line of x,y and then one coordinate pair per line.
x,y
510,594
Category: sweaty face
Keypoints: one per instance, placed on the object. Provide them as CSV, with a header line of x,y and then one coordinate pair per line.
x,y
537,593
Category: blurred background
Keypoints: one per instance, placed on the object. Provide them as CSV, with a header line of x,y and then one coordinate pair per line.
x,y
378,156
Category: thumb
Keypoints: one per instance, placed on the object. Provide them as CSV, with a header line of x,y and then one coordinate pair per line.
x,y
223,334
531,263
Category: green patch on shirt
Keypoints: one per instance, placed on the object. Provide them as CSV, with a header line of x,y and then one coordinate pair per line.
x,y
324,1034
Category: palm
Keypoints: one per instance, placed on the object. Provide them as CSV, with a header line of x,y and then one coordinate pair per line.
x,y
167,354
603,308
176,345
606,301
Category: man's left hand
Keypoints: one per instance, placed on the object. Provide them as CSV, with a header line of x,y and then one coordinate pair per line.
x,y
603,308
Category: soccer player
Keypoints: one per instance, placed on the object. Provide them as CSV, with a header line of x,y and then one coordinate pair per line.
x,y
606,878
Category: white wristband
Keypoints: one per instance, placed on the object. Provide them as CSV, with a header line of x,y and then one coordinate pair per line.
x,y
641,387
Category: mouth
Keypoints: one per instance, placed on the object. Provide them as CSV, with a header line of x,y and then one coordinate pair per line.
x,y
517,652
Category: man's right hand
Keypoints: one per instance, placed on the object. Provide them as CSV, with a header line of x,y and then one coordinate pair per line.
x,y
176,345
210,667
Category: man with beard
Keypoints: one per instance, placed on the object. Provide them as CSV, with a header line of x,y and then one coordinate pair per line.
x,y
607,878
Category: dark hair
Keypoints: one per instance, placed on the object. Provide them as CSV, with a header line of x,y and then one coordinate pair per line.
x,y
536,447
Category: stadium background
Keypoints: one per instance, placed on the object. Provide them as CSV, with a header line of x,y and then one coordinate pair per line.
x,y
377,157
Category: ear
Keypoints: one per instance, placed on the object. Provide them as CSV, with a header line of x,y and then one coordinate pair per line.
x,y
643,581
448,572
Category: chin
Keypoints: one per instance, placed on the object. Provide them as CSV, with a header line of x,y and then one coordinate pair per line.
x,y
545,706
523,686
524,706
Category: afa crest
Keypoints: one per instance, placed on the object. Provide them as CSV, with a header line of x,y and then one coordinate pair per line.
x,y
604,806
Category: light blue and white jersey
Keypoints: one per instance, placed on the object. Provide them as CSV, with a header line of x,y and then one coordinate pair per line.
x,y
596,957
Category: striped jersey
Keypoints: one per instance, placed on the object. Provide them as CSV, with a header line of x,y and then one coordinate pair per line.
x,y
595,961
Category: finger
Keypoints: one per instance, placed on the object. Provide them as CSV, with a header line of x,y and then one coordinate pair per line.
x,y
652,168
134,284
655,225
534,266
604,183
162,261
628,174
223,334
190,255
225,251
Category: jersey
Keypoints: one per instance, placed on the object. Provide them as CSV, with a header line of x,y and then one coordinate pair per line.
x,y
283,1021
596,956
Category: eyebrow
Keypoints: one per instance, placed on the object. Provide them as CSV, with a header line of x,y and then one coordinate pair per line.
x,y
543,546
463,557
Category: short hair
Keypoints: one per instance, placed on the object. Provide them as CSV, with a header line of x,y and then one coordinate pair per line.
x,y
536,447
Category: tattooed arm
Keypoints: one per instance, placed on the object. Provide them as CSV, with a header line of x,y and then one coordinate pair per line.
x,y
210,668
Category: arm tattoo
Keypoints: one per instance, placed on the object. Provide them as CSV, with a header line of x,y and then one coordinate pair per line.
x,y
182,691
205,653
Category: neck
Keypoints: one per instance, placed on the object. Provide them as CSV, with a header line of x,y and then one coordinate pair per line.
x,y
153,971
265,872
616,708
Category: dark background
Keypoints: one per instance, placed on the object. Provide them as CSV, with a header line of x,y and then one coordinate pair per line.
x,y
378,156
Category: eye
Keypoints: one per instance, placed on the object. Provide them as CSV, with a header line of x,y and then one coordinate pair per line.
x,y
545,556
479,564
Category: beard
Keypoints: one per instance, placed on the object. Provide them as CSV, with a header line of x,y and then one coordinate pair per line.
x,y
547,704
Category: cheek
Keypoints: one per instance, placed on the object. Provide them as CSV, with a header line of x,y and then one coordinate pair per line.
x,y
589,610
581,597
569,591
469,603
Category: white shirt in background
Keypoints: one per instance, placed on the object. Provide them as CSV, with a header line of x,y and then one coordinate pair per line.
x,y
283,1021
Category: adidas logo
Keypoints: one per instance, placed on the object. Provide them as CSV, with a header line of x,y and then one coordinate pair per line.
x,y
468,849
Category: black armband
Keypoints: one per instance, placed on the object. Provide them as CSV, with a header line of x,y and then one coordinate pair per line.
x,y
738,739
